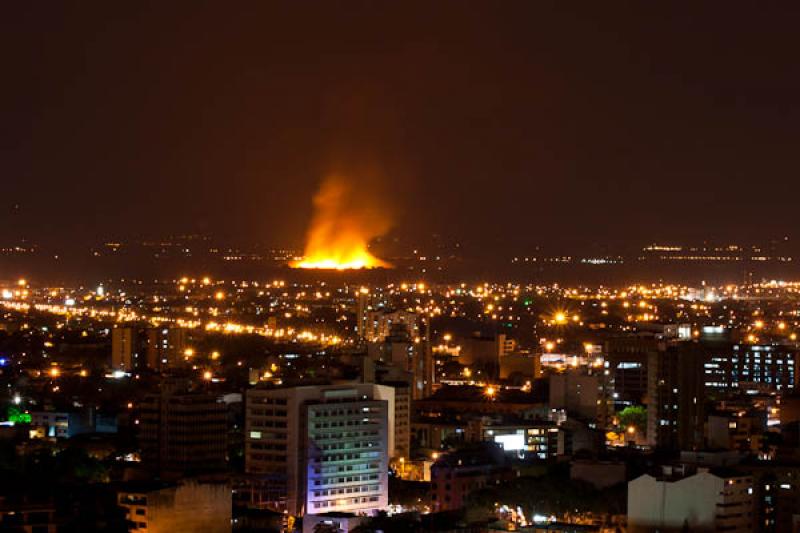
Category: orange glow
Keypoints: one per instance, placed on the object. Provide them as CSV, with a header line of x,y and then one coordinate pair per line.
x,y
341,229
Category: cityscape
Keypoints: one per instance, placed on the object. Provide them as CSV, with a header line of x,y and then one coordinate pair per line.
x,y
370,267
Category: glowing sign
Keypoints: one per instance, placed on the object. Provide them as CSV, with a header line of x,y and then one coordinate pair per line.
x,y
513,442
17,416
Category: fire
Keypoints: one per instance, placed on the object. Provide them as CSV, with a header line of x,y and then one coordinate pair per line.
x,y
341,228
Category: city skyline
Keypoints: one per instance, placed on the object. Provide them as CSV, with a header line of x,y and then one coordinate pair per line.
x,y
399,267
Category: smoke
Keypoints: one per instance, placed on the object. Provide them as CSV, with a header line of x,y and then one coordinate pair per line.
x,y
348,214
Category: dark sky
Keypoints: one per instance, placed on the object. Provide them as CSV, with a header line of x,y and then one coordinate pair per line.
x,y
497,123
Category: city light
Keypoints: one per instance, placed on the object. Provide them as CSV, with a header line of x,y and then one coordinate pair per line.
x,y
512,267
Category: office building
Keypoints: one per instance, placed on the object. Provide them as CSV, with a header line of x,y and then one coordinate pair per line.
x,y
362,310
402,417
406,353
742,431
483,352
381,324
625,362
533,439
676,397
581,394
166,347
751,367
123,348
326,447
183,433
153,348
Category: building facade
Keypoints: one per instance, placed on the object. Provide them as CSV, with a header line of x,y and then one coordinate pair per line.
x,y
182,508
326,447
183,433
704,501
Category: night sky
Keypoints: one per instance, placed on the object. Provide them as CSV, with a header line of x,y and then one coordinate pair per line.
x,y
495,123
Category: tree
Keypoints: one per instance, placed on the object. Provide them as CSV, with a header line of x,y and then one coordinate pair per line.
x,y
633,415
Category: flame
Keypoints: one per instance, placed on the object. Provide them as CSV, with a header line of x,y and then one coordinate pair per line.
x,y
341,228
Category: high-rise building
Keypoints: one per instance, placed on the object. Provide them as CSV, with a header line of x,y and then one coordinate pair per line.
x,y
397,348
327,447
678,374
741,430
581,394
401,381
483,352
408,354
777,495
362,310
154,348
402,417
183,433
676,396
381,324
123,348
757,367
625,362
166,346
424,367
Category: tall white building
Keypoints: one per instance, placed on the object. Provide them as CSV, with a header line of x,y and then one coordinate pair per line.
x,y
326,446
705,501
